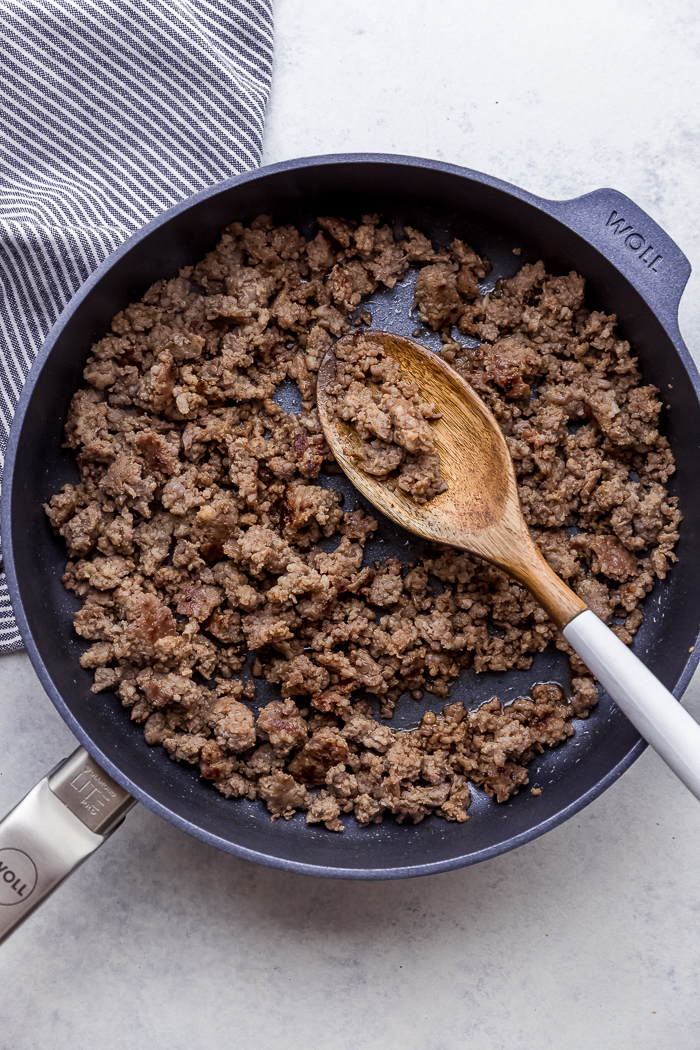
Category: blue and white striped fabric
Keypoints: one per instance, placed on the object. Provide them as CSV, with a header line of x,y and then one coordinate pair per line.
x,y
110,112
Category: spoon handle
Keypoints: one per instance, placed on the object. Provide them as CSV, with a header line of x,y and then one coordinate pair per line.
x,y
650,707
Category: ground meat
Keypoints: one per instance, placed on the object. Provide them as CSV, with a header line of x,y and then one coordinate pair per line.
x,y
204,532
388,413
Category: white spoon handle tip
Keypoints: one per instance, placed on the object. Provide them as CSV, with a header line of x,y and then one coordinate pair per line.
x,y
648,704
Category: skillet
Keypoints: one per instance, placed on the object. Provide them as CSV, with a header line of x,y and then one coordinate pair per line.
x,y
632,268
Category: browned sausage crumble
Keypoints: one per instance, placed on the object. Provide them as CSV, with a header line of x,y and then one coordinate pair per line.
x,y
389,415
198,532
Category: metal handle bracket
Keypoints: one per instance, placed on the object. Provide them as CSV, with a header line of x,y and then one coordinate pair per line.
x,y
58,825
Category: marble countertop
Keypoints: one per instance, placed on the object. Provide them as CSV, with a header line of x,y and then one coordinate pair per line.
x,y
587,937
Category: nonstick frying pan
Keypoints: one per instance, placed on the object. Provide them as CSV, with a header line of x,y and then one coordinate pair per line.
x,y
633,269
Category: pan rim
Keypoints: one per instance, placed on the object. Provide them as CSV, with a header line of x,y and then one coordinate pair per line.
x,y
319,870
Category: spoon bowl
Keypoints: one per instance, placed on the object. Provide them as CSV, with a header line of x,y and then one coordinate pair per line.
x,y
473,453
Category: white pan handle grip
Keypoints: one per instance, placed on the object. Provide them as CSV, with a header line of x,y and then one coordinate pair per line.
x,y
65,818
655,712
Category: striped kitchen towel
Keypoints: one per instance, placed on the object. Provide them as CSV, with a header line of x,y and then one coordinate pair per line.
x,y
110,112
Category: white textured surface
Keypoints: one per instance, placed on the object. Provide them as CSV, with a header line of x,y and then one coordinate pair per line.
x,y
587,937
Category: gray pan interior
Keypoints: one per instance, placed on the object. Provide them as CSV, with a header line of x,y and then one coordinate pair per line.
x,y
444,202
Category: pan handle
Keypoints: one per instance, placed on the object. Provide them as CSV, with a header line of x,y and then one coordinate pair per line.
x,y
634,243
65,818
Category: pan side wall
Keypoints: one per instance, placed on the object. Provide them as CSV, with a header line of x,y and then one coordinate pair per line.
x,y
494,222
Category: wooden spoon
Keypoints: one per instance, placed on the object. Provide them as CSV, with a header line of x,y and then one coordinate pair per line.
x,y
480,513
